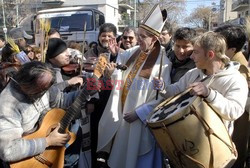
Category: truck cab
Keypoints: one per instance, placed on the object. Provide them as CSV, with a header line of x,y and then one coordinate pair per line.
x,y
70,21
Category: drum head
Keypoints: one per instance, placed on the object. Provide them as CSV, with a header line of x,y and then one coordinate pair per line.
x,y
172,108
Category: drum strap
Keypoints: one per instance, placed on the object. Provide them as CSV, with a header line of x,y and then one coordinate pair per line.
x,y
179,152
209,132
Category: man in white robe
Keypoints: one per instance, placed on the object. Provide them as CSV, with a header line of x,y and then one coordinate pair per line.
x,y
122,129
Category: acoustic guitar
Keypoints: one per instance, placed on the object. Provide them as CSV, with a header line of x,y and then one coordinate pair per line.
x,y
53,157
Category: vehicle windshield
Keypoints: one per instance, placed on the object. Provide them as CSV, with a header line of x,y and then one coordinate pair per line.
x,y
73,22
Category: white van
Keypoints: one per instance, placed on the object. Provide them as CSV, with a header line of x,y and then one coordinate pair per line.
x,y
70,23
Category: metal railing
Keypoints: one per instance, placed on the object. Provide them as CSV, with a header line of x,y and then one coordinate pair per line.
x,y
240,2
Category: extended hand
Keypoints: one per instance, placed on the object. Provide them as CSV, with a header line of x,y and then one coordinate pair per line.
x,y
113,46
130,116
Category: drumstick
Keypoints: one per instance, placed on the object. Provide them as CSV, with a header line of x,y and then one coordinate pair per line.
x,y
159,76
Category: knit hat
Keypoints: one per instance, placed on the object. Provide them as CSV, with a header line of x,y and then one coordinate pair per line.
x,y
56,46
155,20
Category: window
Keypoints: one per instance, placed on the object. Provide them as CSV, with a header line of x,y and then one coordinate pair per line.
x,y
74,22
99,20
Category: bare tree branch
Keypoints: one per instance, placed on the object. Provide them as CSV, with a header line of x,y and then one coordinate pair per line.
x,y
200,17
173,7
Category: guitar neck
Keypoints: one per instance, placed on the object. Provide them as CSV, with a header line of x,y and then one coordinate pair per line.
x,y
73,110
75,107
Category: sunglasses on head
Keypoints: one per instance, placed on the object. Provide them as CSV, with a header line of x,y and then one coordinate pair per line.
x,y
126,37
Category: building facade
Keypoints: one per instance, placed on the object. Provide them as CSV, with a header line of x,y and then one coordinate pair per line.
x,y
234,11
127,15
226,12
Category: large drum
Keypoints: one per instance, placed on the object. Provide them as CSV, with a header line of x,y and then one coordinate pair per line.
x,y
191,134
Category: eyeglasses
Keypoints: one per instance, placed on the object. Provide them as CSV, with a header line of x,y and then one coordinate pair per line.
x,y
126,37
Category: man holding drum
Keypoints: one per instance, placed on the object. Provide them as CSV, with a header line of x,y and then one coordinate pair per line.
x,y
226,90
215,79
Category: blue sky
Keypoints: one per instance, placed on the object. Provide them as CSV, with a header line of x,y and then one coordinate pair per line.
x,y
192,4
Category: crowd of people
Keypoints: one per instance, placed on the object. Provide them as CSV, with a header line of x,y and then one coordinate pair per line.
x,y
110,121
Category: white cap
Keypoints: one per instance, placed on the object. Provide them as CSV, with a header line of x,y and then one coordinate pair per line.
x,y
155,20
17,33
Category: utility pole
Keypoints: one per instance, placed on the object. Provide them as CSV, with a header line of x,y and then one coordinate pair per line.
x,y
36,6
211,12
134,13
248,8
225,11
209,21
4,23
17,14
